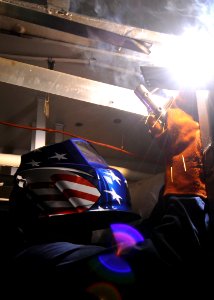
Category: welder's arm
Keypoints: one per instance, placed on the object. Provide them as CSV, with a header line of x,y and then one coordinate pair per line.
x,y
157,131
179,133
155,126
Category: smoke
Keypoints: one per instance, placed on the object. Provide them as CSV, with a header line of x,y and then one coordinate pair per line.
x,y
183,8
76,6
190,9
166,16
125,12
196,12
117,11
101,9
169,16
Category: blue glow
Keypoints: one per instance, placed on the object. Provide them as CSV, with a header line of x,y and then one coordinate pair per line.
x,y
114,263
125,236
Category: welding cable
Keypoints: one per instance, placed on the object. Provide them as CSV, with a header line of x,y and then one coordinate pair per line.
x,y
50,130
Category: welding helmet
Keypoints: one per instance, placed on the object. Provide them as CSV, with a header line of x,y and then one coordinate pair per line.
x,y
68,183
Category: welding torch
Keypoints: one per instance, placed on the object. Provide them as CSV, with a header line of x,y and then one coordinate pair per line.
x,y
146,97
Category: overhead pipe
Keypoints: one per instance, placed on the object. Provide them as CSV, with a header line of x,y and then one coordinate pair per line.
x,y
85,61
10,160
44,58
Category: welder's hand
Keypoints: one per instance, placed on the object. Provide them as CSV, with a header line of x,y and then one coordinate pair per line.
x,y
154,125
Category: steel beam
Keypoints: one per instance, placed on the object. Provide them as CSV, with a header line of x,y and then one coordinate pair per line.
x,y
119,35
70,86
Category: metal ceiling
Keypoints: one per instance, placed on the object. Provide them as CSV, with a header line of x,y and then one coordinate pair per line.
x,y
96,65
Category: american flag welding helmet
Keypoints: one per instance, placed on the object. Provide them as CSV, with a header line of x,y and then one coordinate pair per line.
x,y
69,179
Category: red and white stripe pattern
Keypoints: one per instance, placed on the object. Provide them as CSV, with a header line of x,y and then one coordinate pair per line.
x,y
78,190
59,191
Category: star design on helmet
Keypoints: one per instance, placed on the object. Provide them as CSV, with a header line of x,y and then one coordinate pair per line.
x,y
34,163
115,196
100,208
112,177
59,156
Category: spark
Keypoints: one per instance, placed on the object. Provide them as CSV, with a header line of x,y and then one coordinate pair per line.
x,y
184,163
171,174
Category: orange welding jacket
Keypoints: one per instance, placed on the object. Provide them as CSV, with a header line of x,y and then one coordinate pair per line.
x,y
181,142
